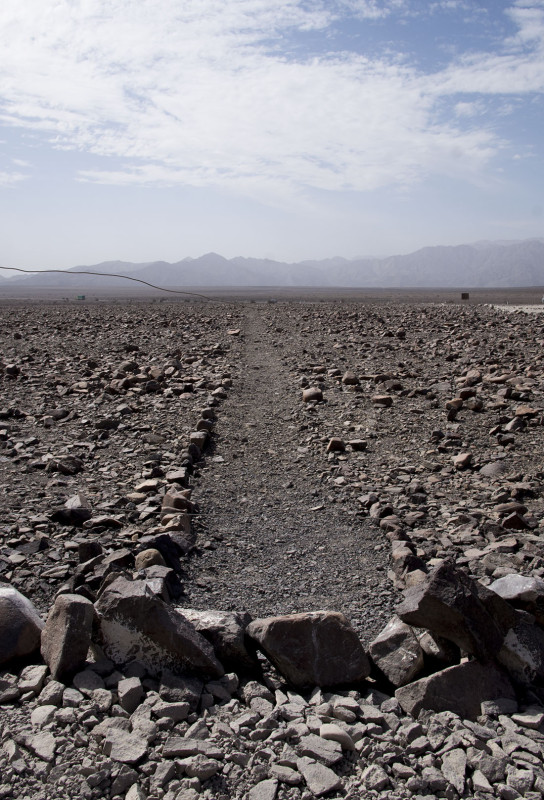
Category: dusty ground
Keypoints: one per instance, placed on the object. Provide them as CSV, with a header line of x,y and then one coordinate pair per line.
x,y
98,398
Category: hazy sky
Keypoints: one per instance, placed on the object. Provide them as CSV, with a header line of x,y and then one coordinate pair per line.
x,y
290,129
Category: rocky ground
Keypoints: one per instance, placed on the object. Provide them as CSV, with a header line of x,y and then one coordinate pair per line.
x,y
355,447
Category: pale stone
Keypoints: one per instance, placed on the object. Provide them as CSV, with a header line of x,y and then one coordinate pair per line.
x,y
319,779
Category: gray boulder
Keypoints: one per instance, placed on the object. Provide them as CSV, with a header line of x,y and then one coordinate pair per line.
x,y
397,652
318,648
452,605
20,625
461,689
135,624
66,637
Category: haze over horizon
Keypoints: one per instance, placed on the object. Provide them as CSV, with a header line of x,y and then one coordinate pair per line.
x,y
281,129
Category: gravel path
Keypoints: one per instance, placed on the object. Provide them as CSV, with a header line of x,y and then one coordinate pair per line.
x,y
271,543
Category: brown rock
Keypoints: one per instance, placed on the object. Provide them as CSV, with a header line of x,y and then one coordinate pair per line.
x,y
135,625
382,400
148,558
226,632
452,605
319,648
66,637
397,652
462,460
460,689
313,393
350,379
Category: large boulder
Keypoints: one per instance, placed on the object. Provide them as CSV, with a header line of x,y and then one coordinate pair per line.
x,y
319,648
66,637
226,632
397,653
522,592
461,689
137,625
452,605
20,625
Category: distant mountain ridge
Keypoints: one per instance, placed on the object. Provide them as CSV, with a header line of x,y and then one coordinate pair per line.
x,y
479,265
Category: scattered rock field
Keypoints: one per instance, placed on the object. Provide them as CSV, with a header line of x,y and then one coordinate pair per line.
x,y
272,551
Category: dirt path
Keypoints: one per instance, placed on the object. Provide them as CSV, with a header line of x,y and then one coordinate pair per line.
x,y
270,541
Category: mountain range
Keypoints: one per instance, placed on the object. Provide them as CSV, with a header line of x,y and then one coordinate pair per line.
x,y
480,265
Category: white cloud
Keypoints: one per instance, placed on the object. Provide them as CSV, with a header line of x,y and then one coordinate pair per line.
x,y
202,93
10,179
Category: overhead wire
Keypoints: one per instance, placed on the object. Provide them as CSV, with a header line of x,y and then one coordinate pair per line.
x,y
114,275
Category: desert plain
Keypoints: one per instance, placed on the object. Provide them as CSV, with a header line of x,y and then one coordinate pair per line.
x,y
266,454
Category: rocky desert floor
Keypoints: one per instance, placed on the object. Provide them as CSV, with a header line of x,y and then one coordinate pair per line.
x,y
353,447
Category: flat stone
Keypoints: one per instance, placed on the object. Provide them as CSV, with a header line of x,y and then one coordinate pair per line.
x,y
43,745
326,750
32,678
454,764
183,747
42,715
264,790
125,747
319,779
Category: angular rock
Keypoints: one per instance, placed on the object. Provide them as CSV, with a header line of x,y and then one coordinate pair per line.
x,y
66,637
319,648
336,445
454,764
135,625
452,605
226,632
264,790
43,745
523,592
460,689
375,778
130,692
327,750
397,653
125,747
319,779
20,625
75,511
522,653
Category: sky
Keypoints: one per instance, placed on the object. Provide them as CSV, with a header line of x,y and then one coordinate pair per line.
x,y
145,130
